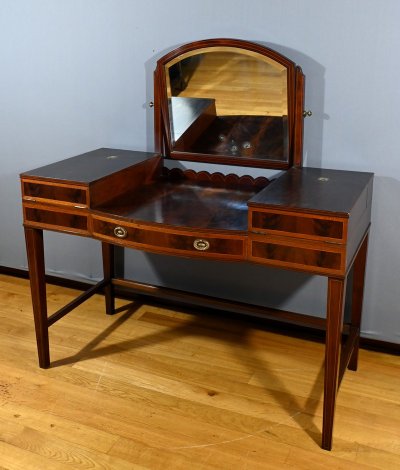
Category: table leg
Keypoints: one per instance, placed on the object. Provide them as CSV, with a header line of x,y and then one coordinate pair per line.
x,y
357,298
108,270
334,326
35,252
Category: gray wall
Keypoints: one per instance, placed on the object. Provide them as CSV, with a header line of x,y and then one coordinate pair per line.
x,y
76,75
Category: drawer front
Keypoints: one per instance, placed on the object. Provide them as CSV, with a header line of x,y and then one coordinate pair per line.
x,y
54,219
170,241
292,224
55,193
312,257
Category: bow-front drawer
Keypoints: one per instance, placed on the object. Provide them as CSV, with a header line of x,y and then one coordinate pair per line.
x,y
183,241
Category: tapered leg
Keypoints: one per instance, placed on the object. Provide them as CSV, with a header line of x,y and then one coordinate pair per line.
x,y
108,270
35,252
357,299
334,325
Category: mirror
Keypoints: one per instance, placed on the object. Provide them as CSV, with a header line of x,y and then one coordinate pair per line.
x,y
228,104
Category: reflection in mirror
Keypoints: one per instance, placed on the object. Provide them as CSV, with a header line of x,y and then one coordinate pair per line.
x,y
228,101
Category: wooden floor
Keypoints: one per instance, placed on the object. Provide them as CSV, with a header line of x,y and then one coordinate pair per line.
x,y
161,389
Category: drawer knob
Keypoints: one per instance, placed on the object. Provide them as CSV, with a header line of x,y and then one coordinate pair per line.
x,y
201,244
120,232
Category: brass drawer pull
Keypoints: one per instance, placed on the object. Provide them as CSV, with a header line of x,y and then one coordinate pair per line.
x,y
120,232
201,245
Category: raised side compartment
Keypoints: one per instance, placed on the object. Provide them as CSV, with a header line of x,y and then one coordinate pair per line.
x,y
119,184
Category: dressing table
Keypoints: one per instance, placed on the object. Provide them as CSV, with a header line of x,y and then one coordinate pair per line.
x,y
219,101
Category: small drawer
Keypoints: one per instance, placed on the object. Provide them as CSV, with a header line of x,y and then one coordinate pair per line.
x,y
313,257
299,226
55,219
182,242
54,193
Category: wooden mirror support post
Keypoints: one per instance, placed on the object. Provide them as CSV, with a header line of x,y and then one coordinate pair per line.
x,y
311,220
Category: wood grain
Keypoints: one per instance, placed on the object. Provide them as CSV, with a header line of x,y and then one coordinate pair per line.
x,y
165,389
239,83
278,93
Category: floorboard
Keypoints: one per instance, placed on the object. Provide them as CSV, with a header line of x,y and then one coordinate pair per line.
x,y
159,388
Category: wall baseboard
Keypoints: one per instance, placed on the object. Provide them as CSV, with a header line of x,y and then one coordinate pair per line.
x,y
365,343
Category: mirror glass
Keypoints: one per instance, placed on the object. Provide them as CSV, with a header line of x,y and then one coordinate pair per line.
x,y
230,102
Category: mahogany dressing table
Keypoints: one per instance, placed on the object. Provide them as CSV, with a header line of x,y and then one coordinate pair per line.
x,y
219,101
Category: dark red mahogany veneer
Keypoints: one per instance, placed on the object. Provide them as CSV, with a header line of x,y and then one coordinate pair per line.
x,y
219,101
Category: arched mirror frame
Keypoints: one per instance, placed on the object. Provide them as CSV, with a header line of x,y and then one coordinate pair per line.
x,y
295,91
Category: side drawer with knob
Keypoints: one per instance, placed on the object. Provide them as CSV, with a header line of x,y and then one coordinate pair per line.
x,y
308,242
298,225
186,242
49,192
50,217
55,206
